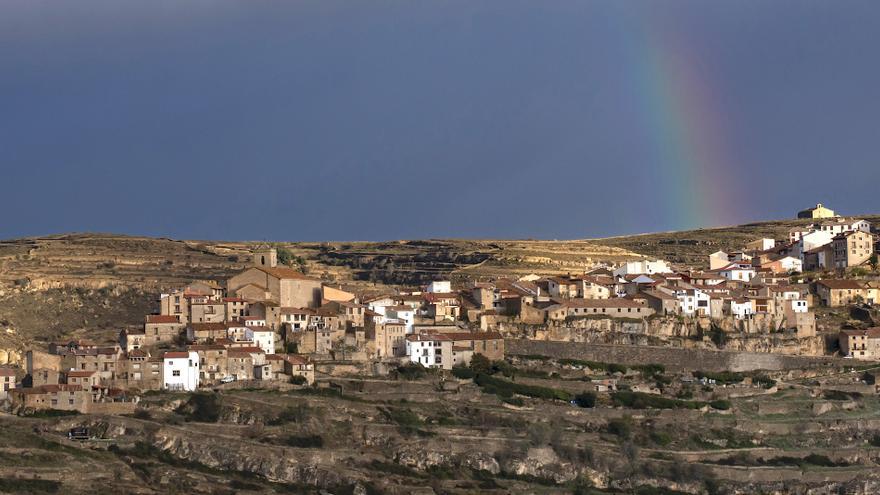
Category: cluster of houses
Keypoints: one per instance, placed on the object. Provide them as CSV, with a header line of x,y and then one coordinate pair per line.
x,y
274,323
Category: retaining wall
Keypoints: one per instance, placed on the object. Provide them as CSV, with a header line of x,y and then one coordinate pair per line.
x,y
673,358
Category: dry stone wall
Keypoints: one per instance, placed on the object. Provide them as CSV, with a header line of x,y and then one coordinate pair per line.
x,y
675,359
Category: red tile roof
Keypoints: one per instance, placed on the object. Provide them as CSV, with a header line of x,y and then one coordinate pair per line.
x,y
7,372
175,355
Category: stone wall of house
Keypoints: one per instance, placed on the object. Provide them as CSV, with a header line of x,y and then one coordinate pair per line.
x,y
673,358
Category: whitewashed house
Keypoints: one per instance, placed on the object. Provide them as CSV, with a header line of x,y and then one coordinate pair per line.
x,y
262,337
440,287
180,370
741,308
404,313
646,267
431,351
693,302
741,272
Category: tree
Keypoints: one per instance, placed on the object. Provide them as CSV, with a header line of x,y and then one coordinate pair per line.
x,y
481,365
285,256
873,261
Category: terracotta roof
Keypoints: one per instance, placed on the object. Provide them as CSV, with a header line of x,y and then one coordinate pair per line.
x,y
162,319
841,284
137,353
285,273
296,359
233,299
7,371
873,332
175,355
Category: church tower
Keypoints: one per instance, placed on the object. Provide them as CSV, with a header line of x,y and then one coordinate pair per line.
x,y
265,256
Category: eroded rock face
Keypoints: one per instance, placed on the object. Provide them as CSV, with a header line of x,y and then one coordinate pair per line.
x,y
540,462
273,463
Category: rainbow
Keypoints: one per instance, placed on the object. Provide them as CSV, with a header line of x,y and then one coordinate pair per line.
x,y
683,123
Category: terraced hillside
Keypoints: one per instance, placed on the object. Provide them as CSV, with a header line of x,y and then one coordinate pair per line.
x,y
511,428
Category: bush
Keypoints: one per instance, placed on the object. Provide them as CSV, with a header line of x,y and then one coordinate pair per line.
x,y
142,414
504,388
462,372
411,371
514,401
19,485
298,380
292,348
621,427
201,407
585,399
305,441
720,404
840,395
722,378
660,438
639,400
295,414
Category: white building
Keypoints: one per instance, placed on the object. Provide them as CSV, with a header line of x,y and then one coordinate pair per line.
x,y
431,351
693,302
812,240
791,264
404,313
741,308
262,337
840,225
440,287
646,267
738,271
180,370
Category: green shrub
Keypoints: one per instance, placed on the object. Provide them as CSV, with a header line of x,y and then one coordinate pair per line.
x,y
462,372
722,378
514,401
621,427
660,438
202,407
295,414
721,404
411,371
840,395
585,399
298,380
20,485
504,388
305,441
639,400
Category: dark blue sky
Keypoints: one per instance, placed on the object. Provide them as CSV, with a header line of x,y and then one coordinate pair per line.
x,y
326,120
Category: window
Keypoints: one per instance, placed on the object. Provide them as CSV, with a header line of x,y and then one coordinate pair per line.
x,y
175,373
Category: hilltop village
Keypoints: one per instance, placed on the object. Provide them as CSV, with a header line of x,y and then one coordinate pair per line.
x,y
272,324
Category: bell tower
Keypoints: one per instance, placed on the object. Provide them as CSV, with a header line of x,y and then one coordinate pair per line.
x,y
265,256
